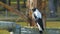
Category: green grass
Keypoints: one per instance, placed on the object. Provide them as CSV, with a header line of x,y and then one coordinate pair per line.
x,y
51,24
4,32
15,0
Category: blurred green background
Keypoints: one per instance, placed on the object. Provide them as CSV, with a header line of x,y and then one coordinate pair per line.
x,y
9,16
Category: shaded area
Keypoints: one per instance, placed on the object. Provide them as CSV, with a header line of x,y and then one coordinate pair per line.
x,y
53,31
35,31
29,31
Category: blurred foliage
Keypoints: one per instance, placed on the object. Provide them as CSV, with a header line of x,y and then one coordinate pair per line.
x,y
15,0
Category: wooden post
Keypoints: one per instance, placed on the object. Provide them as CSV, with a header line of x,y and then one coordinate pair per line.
x,y
30,5
41,4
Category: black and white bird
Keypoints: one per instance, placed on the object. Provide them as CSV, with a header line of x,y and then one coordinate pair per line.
x,y
37,15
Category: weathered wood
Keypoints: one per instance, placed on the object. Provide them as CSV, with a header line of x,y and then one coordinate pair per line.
x,y
30,6
40,4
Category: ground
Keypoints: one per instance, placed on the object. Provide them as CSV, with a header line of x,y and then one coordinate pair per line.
x,y
51,28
